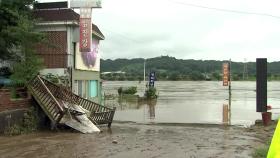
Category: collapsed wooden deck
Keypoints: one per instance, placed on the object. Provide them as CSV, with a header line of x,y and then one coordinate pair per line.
x,y
64,107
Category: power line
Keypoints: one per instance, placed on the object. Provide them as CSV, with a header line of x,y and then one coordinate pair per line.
x,y
197,6
203,7
225,10
123,36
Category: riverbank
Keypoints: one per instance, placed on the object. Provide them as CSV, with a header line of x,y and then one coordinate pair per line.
x,y
140,140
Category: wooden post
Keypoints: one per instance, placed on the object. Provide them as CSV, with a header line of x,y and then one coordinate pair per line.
x,y
225,114
227,82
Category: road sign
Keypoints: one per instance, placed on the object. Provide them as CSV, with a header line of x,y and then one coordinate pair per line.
x,y
152,79
225,74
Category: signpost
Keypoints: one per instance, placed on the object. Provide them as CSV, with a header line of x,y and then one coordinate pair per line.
x,y
227,82
152,79
225,74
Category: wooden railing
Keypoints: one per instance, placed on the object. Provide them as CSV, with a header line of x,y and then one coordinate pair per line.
x,y
62,93
46,99
103,117
99,114
92,106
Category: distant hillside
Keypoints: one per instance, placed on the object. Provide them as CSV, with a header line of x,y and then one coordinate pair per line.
x,y
170,68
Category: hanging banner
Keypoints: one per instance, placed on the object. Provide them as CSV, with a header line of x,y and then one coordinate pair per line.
x,y
225,74
85,29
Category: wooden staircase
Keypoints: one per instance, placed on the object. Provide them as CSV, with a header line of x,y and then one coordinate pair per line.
x,y
46,100
52,99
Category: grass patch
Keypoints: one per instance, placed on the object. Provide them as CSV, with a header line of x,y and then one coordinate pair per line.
x,y
261,152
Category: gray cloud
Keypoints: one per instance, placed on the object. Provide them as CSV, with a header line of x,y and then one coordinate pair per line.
x,y
149,28
164,27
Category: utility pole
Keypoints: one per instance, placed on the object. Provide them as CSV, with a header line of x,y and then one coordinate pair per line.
x,y
144,75
229,92
245,70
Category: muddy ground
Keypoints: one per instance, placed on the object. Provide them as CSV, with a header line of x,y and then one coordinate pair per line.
x,y
130,140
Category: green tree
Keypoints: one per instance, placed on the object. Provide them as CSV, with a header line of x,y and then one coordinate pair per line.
x,y
195,75
170,68
174,76
18,38
216,76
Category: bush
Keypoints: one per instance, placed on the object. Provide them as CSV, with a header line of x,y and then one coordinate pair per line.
x,y
151,93
120,90
62,80
130,90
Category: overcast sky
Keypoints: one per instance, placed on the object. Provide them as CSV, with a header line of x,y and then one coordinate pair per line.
x,y
189,29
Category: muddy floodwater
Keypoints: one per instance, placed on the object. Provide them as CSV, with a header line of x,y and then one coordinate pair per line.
x,y
192,102
185,121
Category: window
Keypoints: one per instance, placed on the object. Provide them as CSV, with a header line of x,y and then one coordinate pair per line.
x,y
93,88
80,88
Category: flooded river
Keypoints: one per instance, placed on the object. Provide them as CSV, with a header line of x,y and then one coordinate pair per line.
x,y
178,102
192,102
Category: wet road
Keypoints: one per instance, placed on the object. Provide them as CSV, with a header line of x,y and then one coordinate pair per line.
x,y
137,141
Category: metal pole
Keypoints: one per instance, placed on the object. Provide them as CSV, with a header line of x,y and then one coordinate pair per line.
x,y
229,92
144,75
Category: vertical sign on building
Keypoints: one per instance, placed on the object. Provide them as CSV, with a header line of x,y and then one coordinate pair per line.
x,y
85,7
225,74
85,30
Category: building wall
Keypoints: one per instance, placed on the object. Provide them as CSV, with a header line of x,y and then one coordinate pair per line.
x,y
85,77
54,53
6,103
61,60
51,27
10,118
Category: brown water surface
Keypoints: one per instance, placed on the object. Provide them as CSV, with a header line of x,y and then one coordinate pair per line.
x,y
192,102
